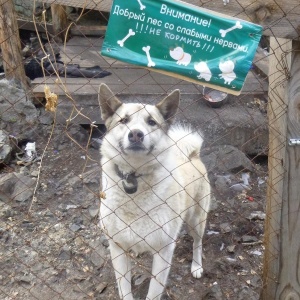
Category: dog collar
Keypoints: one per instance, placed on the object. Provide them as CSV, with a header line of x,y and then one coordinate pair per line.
x,y
181,57
129,181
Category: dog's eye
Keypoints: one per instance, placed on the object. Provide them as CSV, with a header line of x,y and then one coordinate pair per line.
x,y
124,120
151,122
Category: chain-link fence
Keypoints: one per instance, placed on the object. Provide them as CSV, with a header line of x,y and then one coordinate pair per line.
x,y
52,246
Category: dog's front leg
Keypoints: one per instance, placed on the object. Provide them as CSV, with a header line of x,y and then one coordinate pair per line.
x,y
160,271
122,266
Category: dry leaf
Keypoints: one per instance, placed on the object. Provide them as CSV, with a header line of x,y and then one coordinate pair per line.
x,y
102,195
51,99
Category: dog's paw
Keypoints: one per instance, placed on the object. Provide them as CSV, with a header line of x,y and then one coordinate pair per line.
x,y
196,270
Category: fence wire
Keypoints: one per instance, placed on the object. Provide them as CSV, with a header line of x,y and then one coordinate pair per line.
x,y
52,246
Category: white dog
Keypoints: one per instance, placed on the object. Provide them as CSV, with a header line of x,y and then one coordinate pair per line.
x,y
204,70
182,57
154,181
227,68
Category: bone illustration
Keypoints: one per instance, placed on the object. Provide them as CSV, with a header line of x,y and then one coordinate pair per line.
x,y
150,62
237,25
130,33
142,6
204,71
227,68
182,57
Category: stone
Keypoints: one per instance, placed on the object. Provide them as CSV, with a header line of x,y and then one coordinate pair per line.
x,y
256,281
24,279
17,186
222,183
92,177
240,187
65,254
101,287
5,147
213,293
141,289
234,124
104,241
253,205
18,115
97,257
98,253
75,227
19,108
139,279
256,252
34,173
96,143
79,241
24,170
93,210
226,158
230,248
225,262
249,239
247,293
79,134
46,117
257,215
225,228
213,203
26,8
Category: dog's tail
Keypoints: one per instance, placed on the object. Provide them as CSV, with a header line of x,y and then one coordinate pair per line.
x,y
188,142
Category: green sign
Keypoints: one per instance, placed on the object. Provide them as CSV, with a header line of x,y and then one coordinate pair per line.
x,y
182,40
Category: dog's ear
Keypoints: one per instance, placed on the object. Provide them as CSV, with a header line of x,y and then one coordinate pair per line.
x,y
107,101
169,106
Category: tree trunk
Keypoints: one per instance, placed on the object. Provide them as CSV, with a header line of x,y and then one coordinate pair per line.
x,y
10,44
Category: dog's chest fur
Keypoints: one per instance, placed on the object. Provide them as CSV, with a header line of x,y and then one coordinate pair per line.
x,y
143,221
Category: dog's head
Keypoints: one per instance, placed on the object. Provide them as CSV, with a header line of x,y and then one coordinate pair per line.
x,y
177,53
135,129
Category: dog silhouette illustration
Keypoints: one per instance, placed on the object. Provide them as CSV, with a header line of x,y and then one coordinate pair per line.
x,y
182,57
227,68
204,71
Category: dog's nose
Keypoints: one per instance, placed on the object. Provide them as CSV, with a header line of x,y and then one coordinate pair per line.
x,y
135,136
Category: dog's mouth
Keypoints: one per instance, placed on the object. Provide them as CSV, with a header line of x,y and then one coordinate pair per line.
x,y
136,147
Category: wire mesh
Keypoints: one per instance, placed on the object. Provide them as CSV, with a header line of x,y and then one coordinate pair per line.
x,y
52,245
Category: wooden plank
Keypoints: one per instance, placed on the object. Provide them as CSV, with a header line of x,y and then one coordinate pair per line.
x,y
132,80
29,25
88,30
133,75
101,5
278,18
261,62
279,64
289,272
76,30
59,21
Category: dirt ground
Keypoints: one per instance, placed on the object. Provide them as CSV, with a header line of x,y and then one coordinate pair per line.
x,y
57,251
